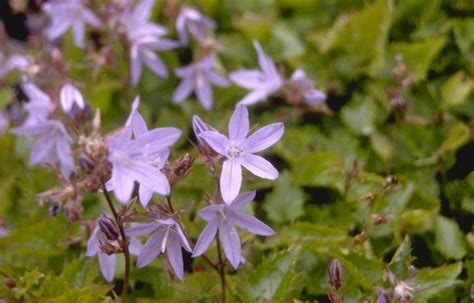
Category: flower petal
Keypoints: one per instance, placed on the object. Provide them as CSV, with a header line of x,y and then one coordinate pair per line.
x,y
205,238
264,137
122,184
183,90
231,180
209,213
204,92
247,78
239,124
249,223
259,166
230,242
154,63
255,96
151,249
107,266
175,255
217,141
243,199
141,229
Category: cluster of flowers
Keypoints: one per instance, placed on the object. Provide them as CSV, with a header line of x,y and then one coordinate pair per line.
x,y
65,139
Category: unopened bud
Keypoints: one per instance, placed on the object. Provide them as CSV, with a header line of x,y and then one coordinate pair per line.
x,y
86,163
108,248
183,165
335,274
108,227
378,219
10,282
389,181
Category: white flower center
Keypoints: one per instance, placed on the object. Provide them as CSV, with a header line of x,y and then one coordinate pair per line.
x,y
234,151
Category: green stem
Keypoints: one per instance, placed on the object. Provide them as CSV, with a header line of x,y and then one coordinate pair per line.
x,y
221,266
124,243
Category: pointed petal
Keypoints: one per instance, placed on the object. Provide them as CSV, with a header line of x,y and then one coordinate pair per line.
x,y
243,199
151,249
204,92
122,184
175,256
205,239
249,223
230,242
138,124
183,90
93,243
182,237
199,126
135,65
135,246
78,31
246,78
144,194
259,166
209,213
231,180
141,229
254,97
107,266
239,124
154,63
264,137
217,79
217,141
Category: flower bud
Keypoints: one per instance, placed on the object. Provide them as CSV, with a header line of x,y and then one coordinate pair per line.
x,y
10,282
86,163
402,292
335,274
108,248
382,296
378,219
108,227
183,165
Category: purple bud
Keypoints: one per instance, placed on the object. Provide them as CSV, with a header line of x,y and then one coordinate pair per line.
x,y
108,227
335,274
183,165
382,296
86,163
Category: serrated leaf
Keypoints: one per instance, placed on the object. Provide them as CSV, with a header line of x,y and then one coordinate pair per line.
x,y
449,238
285,203
402,259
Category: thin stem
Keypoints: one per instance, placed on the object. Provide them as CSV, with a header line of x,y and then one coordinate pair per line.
x,y
124,242
170,204
221,269
209,261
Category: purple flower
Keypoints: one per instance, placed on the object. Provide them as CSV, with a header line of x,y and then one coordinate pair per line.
x,y
239,150
69,97
198,77
262,83
305,88
13,62
53,144
145,39
223,218
69,13
199,126
191,22
165,236
140,159
39,104
107,262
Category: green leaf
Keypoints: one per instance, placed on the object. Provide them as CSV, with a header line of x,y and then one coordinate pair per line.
x,y
286,41
319,169
418,55
402,259
285,203
275,280
458,135
361,115
456,90
449,239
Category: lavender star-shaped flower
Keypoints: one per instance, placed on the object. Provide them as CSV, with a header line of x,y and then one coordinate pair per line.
x,y
69,97
239,150
39,104
69,13
222,218
199,77
165,236
53,144
107,262
192,22
262,83
304,87
145,38
133,159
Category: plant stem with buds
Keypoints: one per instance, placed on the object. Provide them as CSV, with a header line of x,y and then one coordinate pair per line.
x,y
124,243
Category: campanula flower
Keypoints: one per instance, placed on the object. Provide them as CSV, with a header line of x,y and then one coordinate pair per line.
x,y
238,150
134,159
69,13
145,38
166,235
192,22
198,77
223,218
262,83
304,88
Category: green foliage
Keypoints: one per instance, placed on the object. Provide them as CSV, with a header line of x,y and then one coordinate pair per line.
x,y
334,199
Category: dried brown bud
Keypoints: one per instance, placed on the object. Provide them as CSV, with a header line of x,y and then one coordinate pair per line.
x,y
378,219
108,227
86,163
183,165
335,274
10,282
335,297
389,181
360,238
